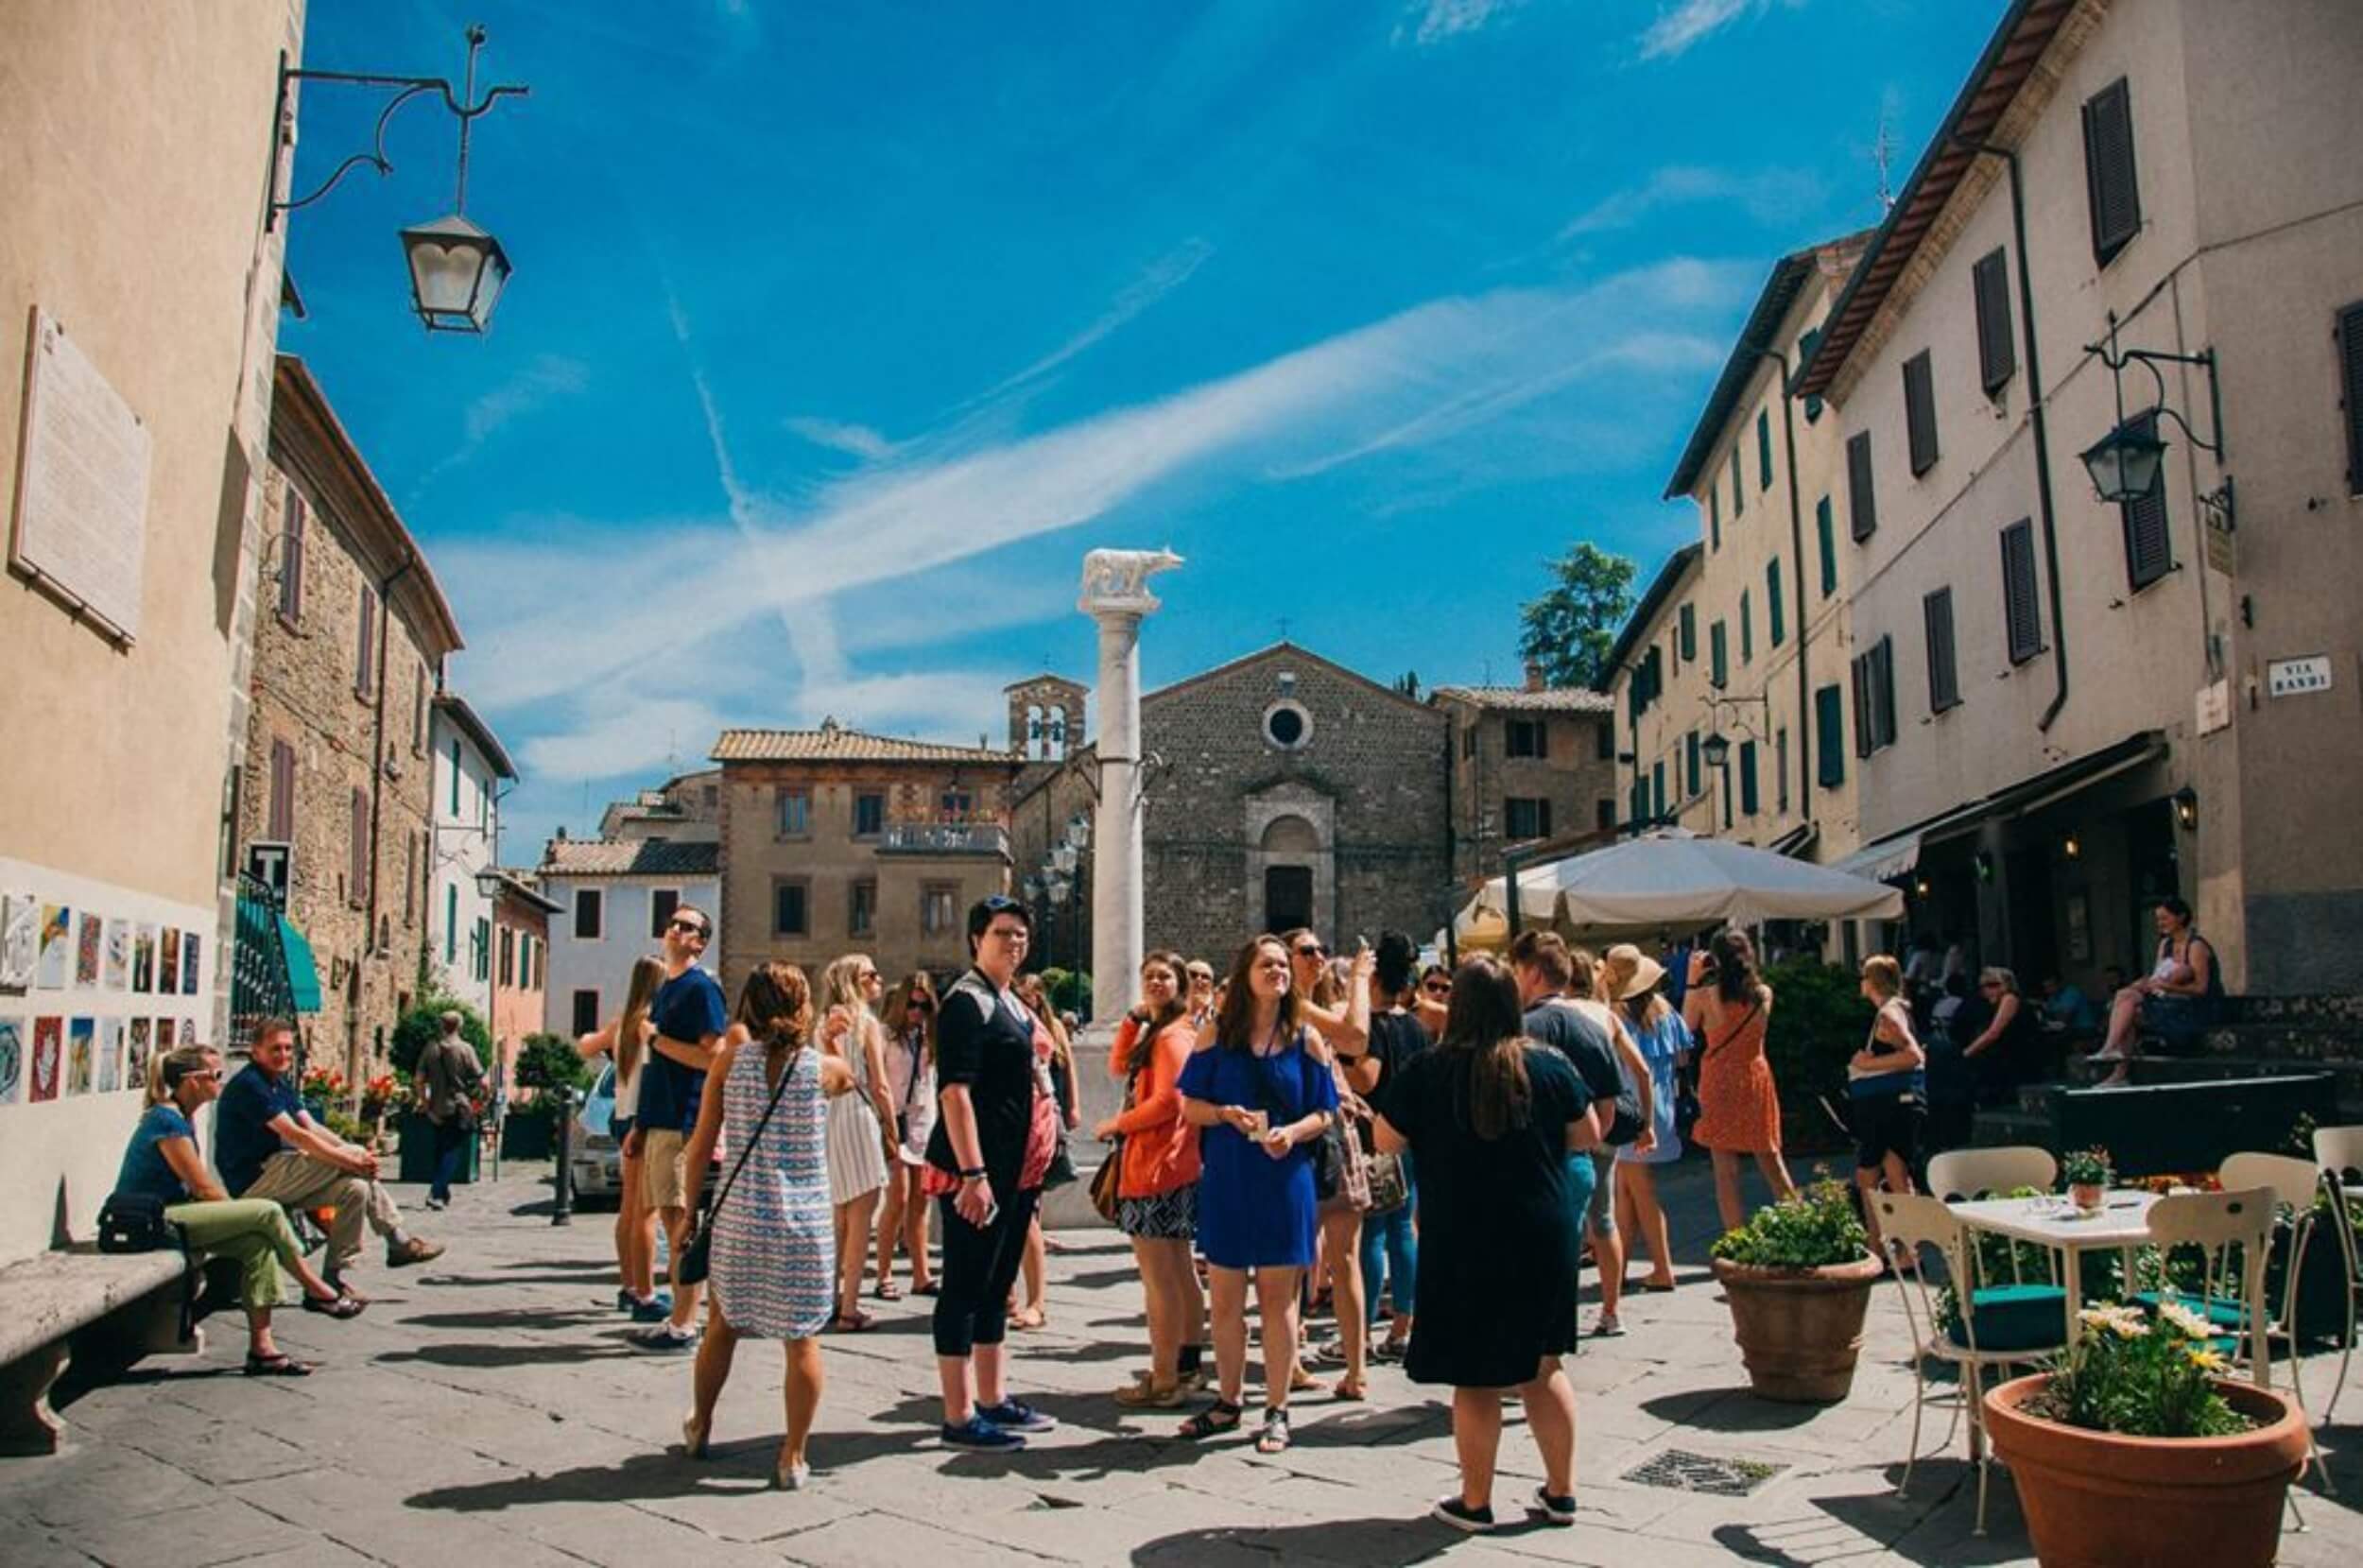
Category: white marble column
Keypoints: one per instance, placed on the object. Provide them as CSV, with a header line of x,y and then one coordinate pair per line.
x,y
1116,596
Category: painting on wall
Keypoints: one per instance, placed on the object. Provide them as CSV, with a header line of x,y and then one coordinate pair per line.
x,y
81,1046
188,963
48,1044
57,947
20,940
12,1060
135,1062
109,1055
164,1035
144,959
168,963
118,966
86,952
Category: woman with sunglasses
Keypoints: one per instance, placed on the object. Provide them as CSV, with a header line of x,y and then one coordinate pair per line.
x,y
911,1055
1260,1094
1201,998
1339,1014
162,1164
861,1148
1157,1182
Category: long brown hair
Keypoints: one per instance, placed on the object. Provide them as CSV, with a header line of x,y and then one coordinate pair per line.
x,y
1323,992
1030,991
1235,1025
775,1005
899,1012
1484,1024
647,975
1734,957
1178,967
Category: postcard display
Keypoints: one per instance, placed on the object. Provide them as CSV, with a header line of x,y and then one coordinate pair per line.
x,y
94,982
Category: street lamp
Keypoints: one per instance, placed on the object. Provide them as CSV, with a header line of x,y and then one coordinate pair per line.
x,y
1715,748
2124,463
457,270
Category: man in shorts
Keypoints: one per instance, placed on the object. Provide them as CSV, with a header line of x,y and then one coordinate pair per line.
x,y
690,1017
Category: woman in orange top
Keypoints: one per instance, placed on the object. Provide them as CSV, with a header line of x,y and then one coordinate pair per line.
x,y
1739,1107
1157,1183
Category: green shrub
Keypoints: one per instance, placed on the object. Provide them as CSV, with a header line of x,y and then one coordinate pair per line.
x,y
424,1021
551,1061
1069,989
1819,1021
1814,1230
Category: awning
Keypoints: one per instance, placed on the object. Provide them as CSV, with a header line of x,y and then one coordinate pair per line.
x,y
1796,840
1884,861
1898,855
303,975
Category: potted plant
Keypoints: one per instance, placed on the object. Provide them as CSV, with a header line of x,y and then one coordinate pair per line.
x,y
545,1063
1798,1276
2132,1451
2087,1174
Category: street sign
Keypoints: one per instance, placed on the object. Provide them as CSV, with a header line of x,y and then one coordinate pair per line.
x,y
2296,676
2214,707
270,863
2222,549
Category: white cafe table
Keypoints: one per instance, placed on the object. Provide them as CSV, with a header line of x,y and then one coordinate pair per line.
x,y
2121,1224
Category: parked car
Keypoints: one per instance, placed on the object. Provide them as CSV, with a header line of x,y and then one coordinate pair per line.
x,y
597,1158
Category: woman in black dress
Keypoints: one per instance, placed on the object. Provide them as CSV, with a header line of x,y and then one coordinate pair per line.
x,y
1491,1118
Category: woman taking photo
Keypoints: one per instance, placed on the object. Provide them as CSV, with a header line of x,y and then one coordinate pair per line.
x,y
861,1150
626,1044
1260,1094
911,1055
1739,1109
1338,1010
1157,1180
773,1260
163,1163
1631,978
1495,1122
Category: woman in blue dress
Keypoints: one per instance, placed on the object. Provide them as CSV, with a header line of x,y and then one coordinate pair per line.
x,y
1632,978
1260,1090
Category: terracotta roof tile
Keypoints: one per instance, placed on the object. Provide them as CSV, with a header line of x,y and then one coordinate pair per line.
x,y
629,857
1519,700
835,743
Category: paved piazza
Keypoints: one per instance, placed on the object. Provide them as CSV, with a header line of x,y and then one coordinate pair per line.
x,y
486,1413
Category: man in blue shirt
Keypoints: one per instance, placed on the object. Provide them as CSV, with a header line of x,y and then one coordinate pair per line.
x,y
689,1017
267,1147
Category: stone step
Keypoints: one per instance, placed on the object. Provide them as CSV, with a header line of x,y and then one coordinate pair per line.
x,y
2347,1010
1999,1127
2347,1072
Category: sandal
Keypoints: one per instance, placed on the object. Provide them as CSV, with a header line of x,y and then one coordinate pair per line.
x,y
343,1308
1028,1317
1352,1394
888,1291
856,1321
279,1364
1220,1417
927,1287
1302,1382
1273,1438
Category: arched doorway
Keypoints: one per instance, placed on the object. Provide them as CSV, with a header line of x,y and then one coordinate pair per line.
x,y
1291,846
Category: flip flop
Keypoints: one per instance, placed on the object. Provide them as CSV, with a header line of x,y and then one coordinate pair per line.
x,y
888,1291
856,1322
280,1365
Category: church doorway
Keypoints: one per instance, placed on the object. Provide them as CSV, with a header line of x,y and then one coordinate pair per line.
x,y
1287,897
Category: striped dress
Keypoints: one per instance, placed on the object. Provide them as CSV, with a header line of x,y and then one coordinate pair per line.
x,y
774,1267
856,1143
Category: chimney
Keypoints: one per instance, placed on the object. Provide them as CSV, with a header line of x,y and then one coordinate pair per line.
x,y
1534,675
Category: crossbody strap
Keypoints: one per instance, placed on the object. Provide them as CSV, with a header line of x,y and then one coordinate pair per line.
x,y
740,1164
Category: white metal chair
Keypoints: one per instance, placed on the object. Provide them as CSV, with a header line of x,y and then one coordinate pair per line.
x,y
1909,1224
1964,1173
2339,1150
2293,1182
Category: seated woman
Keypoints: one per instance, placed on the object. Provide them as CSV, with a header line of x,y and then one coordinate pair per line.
x,y
2004,1053
2177,999
163,1162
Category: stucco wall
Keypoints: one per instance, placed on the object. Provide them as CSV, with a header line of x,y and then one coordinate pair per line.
x,y
604,963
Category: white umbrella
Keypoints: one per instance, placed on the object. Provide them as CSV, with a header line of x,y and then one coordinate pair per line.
x,y
1673,881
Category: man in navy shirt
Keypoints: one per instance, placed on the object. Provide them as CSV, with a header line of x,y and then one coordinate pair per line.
x,y
267,1147
690,1017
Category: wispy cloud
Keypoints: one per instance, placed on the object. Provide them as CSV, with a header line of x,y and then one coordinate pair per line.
x,y
1766,196
549,377
856,440
1689,22
1442,19
1165,274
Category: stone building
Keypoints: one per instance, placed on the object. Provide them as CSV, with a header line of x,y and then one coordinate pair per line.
x,y
684,809
1528,762
338,759
833,840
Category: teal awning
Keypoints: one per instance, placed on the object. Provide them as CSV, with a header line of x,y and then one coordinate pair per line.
x,y
303,976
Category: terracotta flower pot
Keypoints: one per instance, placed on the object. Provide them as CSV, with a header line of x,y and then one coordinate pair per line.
x,y
1798,1330
2101,1500
2087,1196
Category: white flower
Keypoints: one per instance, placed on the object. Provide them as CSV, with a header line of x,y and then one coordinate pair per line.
x,y
2190,1324
2124,1321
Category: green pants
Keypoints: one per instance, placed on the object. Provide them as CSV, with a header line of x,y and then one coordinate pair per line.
x,y
254,1231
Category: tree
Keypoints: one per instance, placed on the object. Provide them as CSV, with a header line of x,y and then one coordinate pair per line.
x,y
1569,628
1409,684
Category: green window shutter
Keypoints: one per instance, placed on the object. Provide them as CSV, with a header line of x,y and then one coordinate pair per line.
x,y
1739,497
1763,449
1657,786
1829,740
1747,627
454,779
1775,618
2112,187
1718,661
1748,778
451,922
1714,518
1690,634
1826,528
1690,763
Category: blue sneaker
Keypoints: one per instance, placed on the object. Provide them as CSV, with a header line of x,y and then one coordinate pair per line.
x,y
977,1432
1015,1415
656,1309
626,1300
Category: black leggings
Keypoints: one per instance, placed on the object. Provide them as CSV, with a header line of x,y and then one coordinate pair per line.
x,y
980,1265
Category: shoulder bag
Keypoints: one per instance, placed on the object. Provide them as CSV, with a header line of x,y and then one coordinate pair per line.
x,y
1106,1179
697,1248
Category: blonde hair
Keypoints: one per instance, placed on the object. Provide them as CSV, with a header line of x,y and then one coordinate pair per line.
x,y
840,983
1584,972
1885,974
166,1070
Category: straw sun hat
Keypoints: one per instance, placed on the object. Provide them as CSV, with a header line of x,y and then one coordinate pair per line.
x,y
1631,972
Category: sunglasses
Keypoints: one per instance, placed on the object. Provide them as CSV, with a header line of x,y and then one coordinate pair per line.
x,y
1311,950
696,928
1438,988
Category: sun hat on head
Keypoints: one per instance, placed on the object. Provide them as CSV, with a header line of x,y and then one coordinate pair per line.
x,y
1631,972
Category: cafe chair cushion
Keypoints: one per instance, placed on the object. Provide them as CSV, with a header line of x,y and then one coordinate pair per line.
x,y
2015,1317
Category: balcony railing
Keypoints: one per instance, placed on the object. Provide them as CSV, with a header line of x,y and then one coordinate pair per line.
x,y
945,838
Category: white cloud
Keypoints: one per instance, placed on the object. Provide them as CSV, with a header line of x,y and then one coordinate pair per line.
x,y
1691,21
550,376
1443,18
856,440
1770,197
1165,274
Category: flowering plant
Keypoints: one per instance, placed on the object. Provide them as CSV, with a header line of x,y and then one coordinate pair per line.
x,y
324,1084
2141,1376
2085,1168
1817,1229
381,1094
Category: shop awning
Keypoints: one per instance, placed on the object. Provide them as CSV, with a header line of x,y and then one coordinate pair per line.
x,y
303,975
1796,840
1898,855
1886,860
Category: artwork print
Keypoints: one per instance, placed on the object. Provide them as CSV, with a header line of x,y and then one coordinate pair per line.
x,y
48,1044
86,952
135,1068
164,1035
118,962
189,1031
81,1044
20,940
144,959
168,963
109,1055
188,963
57,947
11,1060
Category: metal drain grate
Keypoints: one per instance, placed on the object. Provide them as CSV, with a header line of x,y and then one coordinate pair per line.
x,y
1679,1470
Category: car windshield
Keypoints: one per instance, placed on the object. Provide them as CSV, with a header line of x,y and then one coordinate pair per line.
x,y
599,1111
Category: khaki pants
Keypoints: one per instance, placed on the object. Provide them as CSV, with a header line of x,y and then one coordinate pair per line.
x,y
302,1181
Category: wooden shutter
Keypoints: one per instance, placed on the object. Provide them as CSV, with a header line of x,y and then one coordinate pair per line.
x,y
1718,659
1739,495
1825,528
1883,692
1763,449
1859,671
1944,682
1920,411
2022,618
1862,507
2109,175
1829,741
1747,777
1747,627
2149,550
365,650
291,558
1690,763
1776,619
1997,344
357,869
1689,647
2350,390
283,791
1714,518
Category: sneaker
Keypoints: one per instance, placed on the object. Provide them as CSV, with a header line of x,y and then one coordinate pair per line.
x,y
656,1309
977,1432
438,1204
410,1249
1453,1511
1015,1415
1607,1326
1550,1509
1389,1350
664,1339
626,1300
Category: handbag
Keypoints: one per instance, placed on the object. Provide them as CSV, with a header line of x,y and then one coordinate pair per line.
x,y
135,1222
1341,1171
697,1248
1389,1190
1105,1180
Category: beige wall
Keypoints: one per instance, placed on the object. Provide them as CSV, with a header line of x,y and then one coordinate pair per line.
x,y
134,186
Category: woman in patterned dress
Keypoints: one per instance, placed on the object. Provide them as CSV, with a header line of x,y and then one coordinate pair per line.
x,y
774,1258
1739,1107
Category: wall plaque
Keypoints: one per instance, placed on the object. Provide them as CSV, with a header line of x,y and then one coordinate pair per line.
x,y
81,485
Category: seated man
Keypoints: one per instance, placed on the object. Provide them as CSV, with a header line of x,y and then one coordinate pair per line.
x,y
269,1146
2066,1007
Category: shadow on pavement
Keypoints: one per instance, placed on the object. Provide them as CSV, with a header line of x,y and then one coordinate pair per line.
x,y
645,1477
508,1354
1728,1411
514,1318
1359,1541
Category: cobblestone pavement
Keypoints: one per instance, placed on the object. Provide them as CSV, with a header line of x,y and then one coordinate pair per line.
x,y
486,1413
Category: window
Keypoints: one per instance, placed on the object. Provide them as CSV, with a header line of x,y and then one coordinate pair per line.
x,y
586,1012
939,909
2350,389
483,949
1944,680
1806,343
861,909
2149,550
1717,656
1603,742
868,814
1874,697
790,915
1525,737
410,877
1287,726
2109,178
2022,618
357,869
1920,411
662,903
1780,769
589,907
365,647
1604,816
283,789
1468,742
958,804
1997,346
794,813
1739,497
450,923
1746,629
1529,816
1714,518
1775,615
530,961
456,774
1747,799
1829,737
291,559
1862,507
1691,760
1657,789
1763,449
1689,633
418,710
1825,530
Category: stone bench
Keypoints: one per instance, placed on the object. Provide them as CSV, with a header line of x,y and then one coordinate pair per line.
x,y
107,1308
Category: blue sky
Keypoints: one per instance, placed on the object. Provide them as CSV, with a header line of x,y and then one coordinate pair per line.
x,y
839,332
